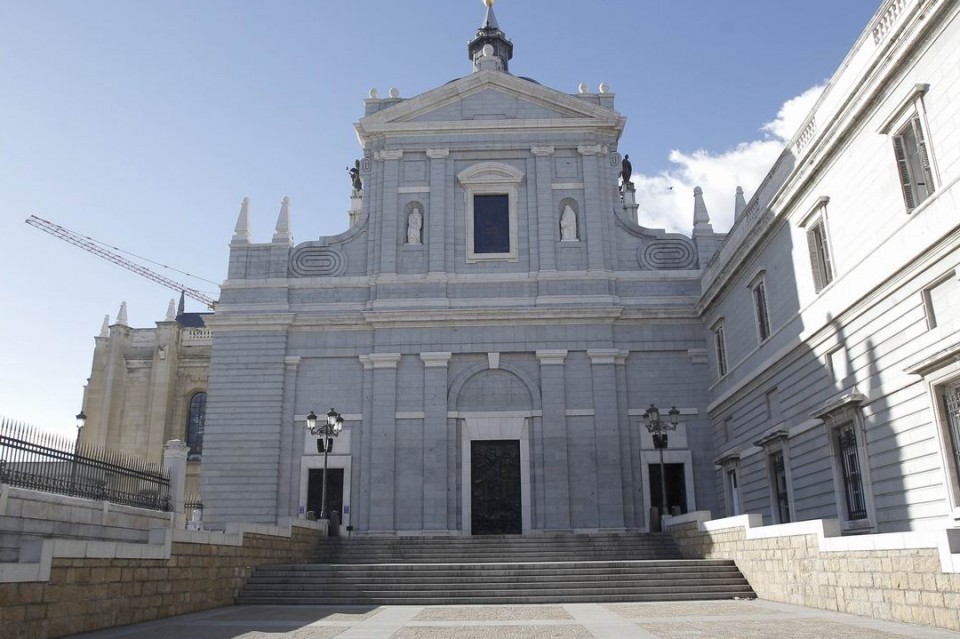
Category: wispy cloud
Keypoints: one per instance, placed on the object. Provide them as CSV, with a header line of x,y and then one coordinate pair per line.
x,y
666,199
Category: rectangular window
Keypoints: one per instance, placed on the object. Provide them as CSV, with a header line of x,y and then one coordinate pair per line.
x,y
760,306
820,261
951,401
849,459
491,224
942,300
778,472
913,163
721,347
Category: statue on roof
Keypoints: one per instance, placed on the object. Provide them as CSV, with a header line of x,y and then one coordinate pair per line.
x,y
626,170
355,176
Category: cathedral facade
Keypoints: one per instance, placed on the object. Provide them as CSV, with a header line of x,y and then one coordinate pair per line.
x,y
495,322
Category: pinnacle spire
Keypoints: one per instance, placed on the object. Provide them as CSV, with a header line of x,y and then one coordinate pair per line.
x,y
282,235
490,49
701,218
122,314
105,328
171,310
740,204
241,233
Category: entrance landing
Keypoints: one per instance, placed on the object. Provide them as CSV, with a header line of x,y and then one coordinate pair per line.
x,y
688,620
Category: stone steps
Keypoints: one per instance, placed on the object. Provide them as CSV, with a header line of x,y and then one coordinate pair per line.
x,y
495,570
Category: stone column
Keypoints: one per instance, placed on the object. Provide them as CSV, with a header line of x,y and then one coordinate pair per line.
x,y
383,430
607,428
592,211
291,444
547,220
436,477
556,469
436,220
389,213
175,465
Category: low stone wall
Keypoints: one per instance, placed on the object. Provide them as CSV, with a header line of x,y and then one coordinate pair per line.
x,y
73,586
29,514
910,577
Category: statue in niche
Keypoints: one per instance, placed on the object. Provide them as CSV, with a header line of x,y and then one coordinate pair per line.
x,y
626,170
568,225
355,180
414,226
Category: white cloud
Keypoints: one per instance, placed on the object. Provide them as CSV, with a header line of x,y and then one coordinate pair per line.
x,y
666,199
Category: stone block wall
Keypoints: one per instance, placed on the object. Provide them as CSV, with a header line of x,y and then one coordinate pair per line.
x,y
196,571
908,577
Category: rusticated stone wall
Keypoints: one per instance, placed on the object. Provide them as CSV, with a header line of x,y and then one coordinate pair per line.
x,y
892,577
85,594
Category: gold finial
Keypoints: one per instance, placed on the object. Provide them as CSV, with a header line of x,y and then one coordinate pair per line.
x,y
489,3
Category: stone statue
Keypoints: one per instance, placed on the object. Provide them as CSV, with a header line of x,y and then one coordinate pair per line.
x,y
355,176
568,225
414,226
626,170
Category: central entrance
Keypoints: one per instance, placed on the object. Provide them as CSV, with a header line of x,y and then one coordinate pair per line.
x,y
495,487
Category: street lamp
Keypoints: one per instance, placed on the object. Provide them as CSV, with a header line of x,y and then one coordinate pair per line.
x,y
327,430
659,429
81,422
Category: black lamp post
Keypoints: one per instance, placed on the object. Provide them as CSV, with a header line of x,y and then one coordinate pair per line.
x,y
327,430
81,422
659,430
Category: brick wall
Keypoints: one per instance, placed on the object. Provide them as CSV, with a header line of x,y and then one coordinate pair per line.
x,y
200,571
908,577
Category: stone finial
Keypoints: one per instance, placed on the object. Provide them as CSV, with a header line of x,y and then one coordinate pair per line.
x,y
394,92
374,94
122,315
171,310
283,234
583,88
740,205
604,87
105,328
241,233
701,218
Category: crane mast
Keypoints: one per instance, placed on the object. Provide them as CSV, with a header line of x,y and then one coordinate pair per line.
x,y
91,246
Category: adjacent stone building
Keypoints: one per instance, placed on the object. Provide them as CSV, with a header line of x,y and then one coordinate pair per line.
x,y
495,321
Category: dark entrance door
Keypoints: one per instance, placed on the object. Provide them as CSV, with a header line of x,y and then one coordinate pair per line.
x,y
676,487
495,487
334,490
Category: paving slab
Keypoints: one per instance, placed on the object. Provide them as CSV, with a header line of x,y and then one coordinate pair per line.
x,y
747,619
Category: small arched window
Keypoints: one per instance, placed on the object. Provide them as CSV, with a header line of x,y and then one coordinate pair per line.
x,y
198,410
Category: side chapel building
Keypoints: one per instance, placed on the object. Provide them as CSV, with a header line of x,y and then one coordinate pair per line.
x,y
495,321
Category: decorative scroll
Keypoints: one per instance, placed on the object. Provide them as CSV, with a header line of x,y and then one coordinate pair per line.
x,y
317,261
667,254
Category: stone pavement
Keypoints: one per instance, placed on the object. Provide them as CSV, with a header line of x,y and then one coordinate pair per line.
x,y
687,620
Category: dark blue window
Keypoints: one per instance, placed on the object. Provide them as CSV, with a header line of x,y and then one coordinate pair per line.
x,y
491,224
198,410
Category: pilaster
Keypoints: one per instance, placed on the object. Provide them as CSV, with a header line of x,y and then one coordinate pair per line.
x,y
437,477
361,474
592,211
291,444
436,220
556,467
610,506
389,211
546,233
384,441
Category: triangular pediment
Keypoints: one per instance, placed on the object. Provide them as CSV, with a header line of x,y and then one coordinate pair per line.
x,y
488,99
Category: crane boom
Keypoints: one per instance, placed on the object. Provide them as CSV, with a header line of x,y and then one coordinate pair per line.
x,y
92,247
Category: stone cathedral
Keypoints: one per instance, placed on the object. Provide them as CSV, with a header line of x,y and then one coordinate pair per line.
x,y
492,327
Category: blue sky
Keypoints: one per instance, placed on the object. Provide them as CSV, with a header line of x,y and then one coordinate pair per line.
x,y
143,125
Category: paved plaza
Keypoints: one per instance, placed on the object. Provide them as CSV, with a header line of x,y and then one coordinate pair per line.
x,y
687,620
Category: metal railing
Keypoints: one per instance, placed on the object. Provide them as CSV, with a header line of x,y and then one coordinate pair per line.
x,y
49,463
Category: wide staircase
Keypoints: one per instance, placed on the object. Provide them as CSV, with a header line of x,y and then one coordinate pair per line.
x,y
496,570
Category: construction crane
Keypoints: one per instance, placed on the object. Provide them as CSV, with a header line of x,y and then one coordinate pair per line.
x,y
92,246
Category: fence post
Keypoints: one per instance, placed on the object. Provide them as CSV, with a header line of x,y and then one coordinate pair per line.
x,y
175,465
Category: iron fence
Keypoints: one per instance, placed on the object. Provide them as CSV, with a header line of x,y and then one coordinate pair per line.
x,y
42,461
